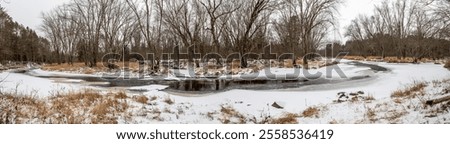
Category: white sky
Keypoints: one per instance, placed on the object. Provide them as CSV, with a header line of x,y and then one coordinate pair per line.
x,y
28,12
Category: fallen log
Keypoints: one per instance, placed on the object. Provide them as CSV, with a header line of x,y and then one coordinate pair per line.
x,y
437,101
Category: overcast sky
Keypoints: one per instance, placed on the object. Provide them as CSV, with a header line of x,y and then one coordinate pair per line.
x,y
28,12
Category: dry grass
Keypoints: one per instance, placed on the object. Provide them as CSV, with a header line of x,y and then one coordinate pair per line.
x,y
141,99
89,71
369,98
397,60
354,99
75,67
99,108
299,61
397,101
153,98
211,67
210,115
228,110
358,58
235,64
386,59
447,64
255,68
333,122
64,67
371,114
288,63
311,112
326,64
120,95
83,107
231,116
19,109
393,115
374,58
412,91
289,118
168,101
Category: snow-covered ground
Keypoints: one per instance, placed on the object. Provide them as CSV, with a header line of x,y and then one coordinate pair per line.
x,y
258,102
22,84
167,107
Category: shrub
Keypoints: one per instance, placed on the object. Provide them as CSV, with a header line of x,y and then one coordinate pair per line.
x,y
120,95
447,64
87,106
169,101
288,63
153,98
410,91
358,58
141,99
227,110
231,116
311,112
289,118
101,109
369,98
371,114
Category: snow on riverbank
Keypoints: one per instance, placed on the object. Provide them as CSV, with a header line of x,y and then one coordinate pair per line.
x,y
257,103
22,84
254,105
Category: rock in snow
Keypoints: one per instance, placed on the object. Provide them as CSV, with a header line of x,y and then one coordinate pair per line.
x,y
279,105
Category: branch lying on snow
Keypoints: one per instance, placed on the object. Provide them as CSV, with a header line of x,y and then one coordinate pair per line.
x,y
437,101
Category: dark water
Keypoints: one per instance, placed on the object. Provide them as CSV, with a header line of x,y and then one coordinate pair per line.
x,y
199,85
371,66
206,85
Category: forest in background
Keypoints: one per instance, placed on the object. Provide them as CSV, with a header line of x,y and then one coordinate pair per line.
x,y
84,31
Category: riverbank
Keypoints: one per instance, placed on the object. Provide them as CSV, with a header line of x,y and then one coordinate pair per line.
x,y
256,106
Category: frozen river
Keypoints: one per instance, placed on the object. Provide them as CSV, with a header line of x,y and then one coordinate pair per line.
x,y
252,101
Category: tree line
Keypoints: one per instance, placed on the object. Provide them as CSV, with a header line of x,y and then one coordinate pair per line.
x,y
87,29
19,43
83,31
403,28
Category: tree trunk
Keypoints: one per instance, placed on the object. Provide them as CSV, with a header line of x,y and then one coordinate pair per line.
x,y
437,101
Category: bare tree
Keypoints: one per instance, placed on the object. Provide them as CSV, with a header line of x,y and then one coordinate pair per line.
x,y
184,19
118,26
315,18
252,17
442,12
143,11
402,27
399,19
218,12
91,17
357,34
287,29
51,27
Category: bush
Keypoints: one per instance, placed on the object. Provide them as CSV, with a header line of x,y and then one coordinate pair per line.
x,y
411,91
229,115
311,112
141,99
85,107
447,64
289,118
120,95
371,114
169,101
